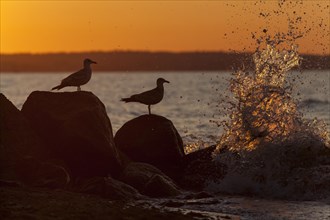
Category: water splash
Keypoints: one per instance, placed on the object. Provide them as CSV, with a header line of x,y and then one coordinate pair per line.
x,y
269,148
265,111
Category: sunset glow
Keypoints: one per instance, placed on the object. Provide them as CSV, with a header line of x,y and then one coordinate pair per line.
x,y
73,26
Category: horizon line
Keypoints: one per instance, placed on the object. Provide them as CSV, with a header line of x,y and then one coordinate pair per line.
x,y
144,51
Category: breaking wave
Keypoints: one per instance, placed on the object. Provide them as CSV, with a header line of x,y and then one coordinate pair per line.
x,y
268,147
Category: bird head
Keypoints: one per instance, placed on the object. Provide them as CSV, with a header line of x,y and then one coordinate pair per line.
x,y
88,62
161,81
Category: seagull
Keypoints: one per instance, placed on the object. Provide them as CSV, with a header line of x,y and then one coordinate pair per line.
x,y
78,78
150,97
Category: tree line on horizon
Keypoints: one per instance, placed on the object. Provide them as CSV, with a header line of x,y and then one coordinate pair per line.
x,y
142,61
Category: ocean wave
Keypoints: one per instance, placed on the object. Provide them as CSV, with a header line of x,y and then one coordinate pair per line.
x,y
298,170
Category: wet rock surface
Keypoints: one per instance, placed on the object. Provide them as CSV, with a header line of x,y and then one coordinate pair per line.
x,y
106,187
199,167
33,203
149,180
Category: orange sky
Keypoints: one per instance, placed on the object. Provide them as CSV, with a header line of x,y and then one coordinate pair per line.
x,y
66,26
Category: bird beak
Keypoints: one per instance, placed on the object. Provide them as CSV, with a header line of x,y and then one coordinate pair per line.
x,y
94,62
166,81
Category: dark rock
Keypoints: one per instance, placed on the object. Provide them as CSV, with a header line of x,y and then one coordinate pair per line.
x,y
17,141
22,153
175,204
9,183
33,203
43,174
149,180
76,129
198,195
152,139
204,154
199,166
108,188
160,186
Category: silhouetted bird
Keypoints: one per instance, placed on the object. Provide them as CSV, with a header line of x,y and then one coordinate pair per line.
x,y
150,97
78,78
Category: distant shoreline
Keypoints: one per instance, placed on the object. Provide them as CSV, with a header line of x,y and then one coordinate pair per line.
x,y
127,61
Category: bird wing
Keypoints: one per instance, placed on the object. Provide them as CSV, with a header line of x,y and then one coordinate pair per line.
x,y
149,97
74,78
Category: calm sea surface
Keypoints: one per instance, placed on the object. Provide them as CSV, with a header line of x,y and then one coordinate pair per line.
x,y
191,100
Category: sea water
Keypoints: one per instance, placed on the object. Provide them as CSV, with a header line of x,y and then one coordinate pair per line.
x,y
191,100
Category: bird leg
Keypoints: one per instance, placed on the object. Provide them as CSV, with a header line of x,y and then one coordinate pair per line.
x,y
78,88
149,109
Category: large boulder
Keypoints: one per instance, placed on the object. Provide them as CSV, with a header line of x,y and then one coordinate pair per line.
x,y
22,153
17,139
16,133
76,130
149,180
152,139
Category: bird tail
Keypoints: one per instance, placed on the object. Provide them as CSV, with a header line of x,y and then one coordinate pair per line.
x,y
58,87
127,99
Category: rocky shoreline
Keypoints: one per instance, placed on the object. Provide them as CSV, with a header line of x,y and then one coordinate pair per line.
x,y
64,142
61,146
41,203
